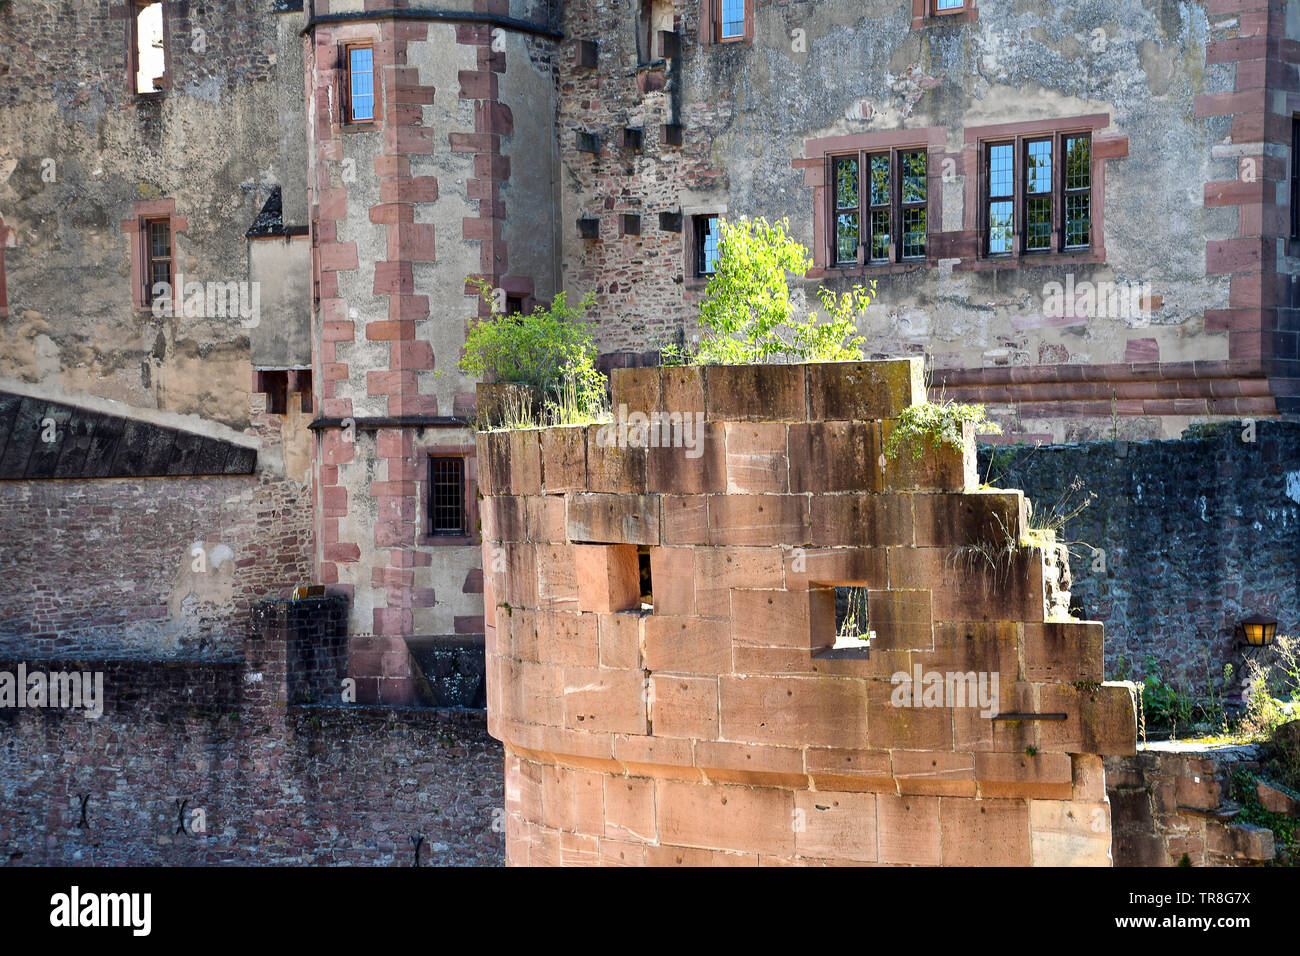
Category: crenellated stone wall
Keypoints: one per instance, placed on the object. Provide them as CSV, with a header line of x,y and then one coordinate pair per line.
x,y
705,712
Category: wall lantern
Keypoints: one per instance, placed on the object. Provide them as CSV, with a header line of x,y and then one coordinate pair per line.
x,y
1257,631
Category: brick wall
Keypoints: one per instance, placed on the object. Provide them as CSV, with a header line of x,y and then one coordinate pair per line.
x,y
1197,534
110,567
720,725
277,783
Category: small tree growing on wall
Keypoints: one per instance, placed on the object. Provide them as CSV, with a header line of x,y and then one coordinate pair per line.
x,y
551,350
747,315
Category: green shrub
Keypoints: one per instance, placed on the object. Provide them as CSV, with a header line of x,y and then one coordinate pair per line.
x,y
552,350
931,423
747,315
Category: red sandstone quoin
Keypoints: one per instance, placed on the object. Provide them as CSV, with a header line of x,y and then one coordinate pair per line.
x,y
720,725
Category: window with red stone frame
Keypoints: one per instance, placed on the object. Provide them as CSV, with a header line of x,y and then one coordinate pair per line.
x,y
360,96
880,206
727,21
876,200
151,234
927,13
448,503
1035,192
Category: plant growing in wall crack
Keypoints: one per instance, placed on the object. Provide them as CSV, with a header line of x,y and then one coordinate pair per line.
x,y
930,424
747,316
551,350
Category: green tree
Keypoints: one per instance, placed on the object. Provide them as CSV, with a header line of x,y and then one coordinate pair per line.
x,y
550,349
747,315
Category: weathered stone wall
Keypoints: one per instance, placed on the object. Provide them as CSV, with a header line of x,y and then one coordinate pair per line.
x,y
106,566
78,150
154,567
277,783
1194,536
1189,147
1170,807
723,724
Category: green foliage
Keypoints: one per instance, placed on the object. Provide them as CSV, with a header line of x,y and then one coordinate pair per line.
x,y
747,316
931,423
1286,830
855,624
1163,704
552,350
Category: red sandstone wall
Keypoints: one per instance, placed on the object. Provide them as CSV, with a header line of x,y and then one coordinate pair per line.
x,y
719,726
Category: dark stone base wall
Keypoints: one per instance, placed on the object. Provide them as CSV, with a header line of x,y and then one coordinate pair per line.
x,y
278,783
1197,533
1169,806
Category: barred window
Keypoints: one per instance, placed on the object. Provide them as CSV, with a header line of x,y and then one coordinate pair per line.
x,y
158,239
447,496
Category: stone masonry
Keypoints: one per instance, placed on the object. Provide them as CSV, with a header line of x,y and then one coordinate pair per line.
x,y
721,724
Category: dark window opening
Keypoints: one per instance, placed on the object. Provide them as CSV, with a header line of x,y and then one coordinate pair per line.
x,y
707,236
514,305
653,17
148,50
893,201
647,585
359,99
447,496
158,258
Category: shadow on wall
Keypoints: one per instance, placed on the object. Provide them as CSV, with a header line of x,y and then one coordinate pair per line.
x,y
1184,540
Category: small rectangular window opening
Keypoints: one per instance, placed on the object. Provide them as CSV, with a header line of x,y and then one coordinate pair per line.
x,y
647,585
447,496
731,25
158,258
150,54
360,84
707,236
852,621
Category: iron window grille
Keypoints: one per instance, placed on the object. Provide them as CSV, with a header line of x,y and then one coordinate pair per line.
x,y
447,496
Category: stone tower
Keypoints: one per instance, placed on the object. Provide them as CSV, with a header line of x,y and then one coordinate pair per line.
x,y
431,146
707,713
